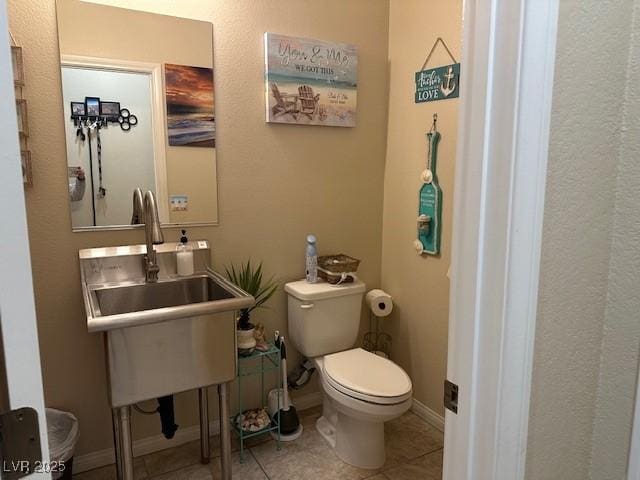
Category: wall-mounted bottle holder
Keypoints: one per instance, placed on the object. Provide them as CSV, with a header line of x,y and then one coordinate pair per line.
x,y
430,200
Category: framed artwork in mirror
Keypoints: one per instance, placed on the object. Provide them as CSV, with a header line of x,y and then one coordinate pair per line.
x,y
78,109
92,105
190,109
18,66
110,109
27,172
21,112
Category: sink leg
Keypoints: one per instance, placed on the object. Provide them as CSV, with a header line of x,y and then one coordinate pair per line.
x,y
123,442
116,442
225,432
203,403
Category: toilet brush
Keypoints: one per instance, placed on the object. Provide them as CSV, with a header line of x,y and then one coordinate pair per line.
x,y
290,427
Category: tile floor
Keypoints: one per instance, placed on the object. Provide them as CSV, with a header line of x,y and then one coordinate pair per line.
x,y
414,451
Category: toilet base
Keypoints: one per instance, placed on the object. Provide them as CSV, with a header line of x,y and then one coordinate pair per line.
x,y
356,442
327,431
355,428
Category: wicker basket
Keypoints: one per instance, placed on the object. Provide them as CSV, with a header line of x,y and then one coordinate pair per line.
x,y
335,278
340,263
337,269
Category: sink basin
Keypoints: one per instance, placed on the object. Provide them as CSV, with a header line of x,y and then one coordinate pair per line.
x,y
128,304
150,296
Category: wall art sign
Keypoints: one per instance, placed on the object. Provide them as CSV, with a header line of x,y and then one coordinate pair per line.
x,y
190,106
310,82
430,199
437,83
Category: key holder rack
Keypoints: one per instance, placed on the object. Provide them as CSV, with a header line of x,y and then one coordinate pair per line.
x,y
89,117
94,112
430,199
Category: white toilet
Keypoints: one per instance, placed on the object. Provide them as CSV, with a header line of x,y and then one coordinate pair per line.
x,y
360,390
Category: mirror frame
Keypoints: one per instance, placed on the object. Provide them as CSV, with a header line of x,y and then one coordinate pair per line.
x,y
160,133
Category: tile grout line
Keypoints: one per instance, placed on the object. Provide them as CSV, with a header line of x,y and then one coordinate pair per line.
x,y
375,475
173,470
258,463
411,460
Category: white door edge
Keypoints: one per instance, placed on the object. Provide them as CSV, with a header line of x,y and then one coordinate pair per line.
x,y
17,306
508,63
633,468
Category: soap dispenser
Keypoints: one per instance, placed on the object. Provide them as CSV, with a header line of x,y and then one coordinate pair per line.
x,y
184,256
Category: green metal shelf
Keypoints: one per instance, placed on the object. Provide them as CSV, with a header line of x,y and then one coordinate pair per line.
x,y
272,427
272,355
257,363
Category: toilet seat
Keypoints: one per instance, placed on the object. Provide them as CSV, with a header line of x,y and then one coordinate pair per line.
x,y
367,377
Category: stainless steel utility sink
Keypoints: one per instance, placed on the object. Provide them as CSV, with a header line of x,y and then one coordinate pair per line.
x,y
163,294
133,303
163,337
168,335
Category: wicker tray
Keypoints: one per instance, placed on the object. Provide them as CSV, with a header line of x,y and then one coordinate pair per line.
x,y
335,278
340,263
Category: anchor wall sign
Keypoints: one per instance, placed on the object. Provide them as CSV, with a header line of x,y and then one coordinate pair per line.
x,y
437,83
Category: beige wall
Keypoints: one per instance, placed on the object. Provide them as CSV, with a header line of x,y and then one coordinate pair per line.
x,y
587,333
276,182
139,36
621,330
418,284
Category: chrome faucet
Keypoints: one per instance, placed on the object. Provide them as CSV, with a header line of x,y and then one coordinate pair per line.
x,y
138,207
147,212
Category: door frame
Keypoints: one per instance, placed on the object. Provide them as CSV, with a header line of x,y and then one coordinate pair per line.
x,y
509,60
158,124
19,335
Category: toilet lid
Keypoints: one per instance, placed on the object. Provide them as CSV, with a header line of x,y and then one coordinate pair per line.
x,y
367,376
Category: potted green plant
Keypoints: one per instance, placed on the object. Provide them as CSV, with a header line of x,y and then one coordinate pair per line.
x,y
251,281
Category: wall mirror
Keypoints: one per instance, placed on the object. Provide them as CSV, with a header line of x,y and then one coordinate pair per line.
x,y
138,104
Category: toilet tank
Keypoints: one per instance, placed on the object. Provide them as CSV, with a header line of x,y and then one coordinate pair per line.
x,y
323,318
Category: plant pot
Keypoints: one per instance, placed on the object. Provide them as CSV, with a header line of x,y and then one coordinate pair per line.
x,y
246,341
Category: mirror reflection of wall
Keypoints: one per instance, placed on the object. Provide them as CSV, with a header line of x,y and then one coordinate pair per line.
x,y
126,157
135,66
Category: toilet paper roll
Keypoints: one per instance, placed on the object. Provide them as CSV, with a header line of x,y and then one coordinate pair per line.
x,y
379,302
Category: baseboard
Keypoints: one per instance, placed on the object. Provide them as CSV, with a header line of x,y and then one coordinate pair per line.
x,y
307,401
428,415
148,445
89,461
144,446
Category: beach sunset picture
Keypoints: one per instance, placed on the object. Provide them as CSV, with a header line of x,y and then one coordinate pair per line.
x,y
190,113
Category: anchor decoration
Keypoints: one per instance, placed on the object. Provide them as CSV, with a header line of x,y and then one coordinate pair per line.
x,y
437,83
430,199
448,85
